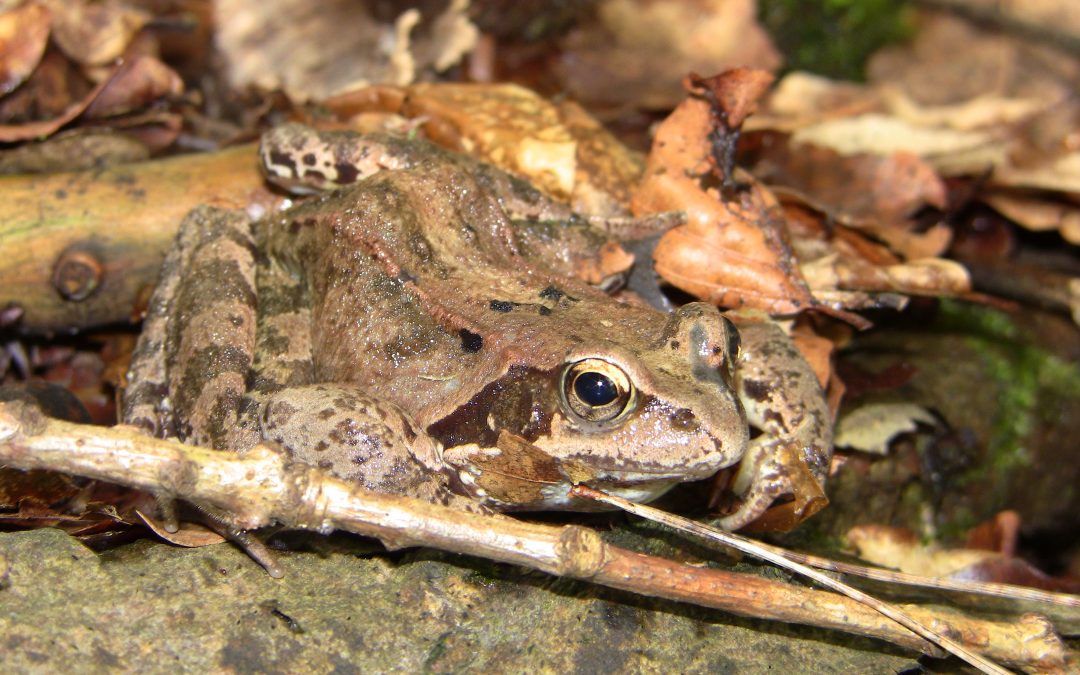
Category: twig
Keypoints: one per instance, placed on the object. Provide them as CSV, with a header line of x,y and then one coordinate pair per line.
x,y
1010,591
261,486
778,557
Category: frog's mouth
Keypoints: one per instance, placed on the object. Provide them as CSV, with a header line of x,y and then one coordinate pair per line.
x,y
517,475
634,488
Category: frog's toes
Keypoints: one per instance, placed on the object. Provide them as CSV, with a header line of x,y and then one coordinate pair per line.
x,y
777,488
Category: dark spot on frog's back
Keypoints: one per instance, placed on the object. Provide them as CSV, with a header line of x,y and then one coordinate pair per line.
x,y
757,390
346,432
309,159
501,306
470,341
278,158
552,293
346,173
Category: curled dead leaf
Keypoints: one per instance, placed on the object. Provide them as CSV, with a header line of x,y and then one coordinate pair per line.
x,y
24,32
134,84
560,148
734,94
95,33
733,249
737,258
189,535
899,549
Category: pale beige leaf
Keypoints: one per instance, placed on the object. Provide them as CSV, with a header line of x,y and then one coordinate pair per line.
x,y
1061,173
1037,215
872,426
898,549
949,150
314,54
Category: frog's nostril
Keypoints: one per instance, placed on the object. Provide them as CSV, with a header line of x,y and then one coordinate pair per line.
x,y
683,419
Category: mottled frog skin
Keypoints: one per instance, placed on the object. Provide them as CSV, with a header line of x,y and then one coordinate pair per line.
x,y
438,328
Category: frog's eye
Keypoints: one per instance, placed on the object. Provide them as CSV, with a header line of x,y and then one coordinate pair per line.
x,y
596,391
734,342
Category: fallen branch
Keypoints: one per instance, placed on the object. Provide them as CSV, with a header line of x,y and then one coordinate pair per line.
x,y
80,248
261,487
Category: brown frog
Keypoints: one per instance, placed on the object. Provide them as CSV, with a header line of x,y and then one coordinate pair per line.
x,y
438,328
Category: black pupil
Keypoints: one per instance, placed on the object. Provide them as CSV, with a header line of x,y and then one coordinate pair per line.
x,y
595,389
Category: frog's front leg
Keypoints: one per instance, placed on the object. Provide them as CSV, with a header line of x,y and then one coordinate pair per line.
x,y
340,428
789,457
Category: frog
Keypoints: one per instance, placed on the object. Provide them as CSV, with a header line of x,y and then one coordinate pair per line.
x,y
423,323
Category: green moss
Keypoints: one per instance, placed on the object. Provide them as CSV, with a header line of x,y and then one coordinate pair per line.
x,y
834,37
1027,378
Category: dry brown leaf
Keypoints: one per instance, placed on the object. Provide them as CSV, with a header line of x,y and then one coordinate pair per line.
x,y
54,94
71,151
509,125
732,251
312,55
560,148
843,265
1061,173
189,535
856,188
898,548
24,32
95,33
42,487
637,51
1038,214
929,276
948,150
870,192
135,83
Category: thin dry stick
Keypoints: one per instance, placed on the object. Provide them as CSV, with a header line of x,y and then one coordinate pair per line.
x,y
261,486
770,554
1010,591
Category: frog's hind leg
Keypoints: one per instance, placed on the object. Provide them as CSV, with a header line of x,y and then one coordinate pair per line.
x,y
193,358
195,348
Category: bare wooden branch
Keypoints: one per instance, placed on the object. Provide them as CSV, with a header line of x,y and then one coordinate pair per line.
x,y
79,247
261,487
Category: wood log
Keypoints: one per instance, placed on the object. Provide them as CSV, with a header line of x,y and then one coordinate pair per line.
x,y
83,248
